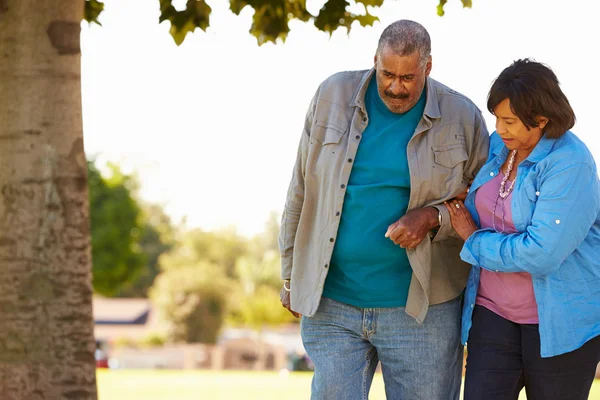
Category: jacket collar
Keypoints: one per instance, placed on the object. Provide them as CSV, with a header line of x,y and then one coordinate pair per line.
x,y
541,150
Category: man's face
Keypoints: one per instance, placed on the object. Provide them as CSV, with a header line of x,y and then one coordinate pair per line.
x,y
400,79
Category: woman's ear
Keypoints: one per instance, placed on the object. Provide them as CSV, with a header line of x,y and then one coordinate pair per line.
x,y
542,122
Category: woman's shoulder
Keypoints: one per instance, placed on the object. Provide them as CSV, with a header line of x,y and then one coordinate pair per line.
x,y
570,149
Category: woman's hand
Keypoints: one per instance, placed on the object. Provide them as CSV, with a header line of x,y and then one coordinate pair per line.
x,y
461,219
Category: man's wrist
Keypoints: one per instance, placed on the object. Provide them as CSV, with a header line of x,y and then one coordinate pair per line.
x,y
435,219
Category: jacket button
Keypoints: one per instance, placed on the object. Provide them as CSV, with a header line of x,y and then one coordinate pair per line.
x,y
326,265
349,160
331,240
342,186
337,214
357,137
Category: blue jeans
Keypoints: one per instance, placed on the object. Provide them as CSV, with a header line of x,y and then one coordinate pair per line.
x,y
419,362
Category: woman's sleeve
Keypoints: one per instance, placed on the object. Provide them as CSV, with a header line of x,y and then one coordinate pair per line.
x,y
566,208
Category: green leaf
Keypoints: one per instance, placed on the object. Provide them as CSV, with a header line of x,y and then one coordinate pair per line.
x,y
334,15
92,10
367,20
271,17
372,3
195,15
440,8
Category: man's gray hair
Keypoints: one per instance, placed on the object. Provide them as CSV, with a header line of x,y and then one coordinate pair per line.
x,y
404,37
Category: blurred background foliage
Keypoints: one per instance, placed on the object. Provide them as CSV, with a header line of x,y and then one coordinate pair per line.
x,y
198,281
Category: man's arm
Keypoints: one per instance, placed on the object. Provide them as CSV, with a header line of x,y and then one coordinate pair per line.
x,y
292,210
295,198
478,154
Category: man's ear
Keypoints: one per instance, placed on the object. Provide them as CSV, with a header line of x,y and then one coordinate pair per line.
x,y
428,67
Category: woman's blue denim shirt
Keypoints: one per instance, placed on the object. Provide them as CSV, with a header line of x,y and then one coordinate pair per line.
x,y
555,207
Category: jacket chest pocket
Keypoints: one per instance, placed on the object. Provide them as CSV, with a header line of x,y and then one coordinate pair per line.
x,y
327,150
326,133
448,166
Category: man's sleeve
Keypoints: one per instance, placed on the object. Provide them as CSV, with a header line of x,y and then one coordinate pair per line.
x,y
295,197
478,154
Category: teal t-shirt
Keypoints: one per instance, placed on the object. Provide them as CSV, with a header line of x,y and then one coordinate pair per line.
x,y
367,269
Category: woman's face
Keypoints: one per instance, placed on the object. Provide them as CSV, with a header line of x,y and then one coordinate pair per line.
x,y
514,132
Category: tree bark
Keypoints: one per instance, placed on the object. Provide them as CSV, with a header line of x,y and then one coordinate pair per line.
x,y
46,324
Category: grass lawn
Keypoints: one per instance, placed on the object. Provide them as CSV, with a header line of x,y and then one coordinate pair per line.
x,y
221,385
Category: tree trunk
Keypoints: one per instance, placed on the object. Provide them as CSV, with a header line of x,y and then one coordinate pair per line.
x,y
46,325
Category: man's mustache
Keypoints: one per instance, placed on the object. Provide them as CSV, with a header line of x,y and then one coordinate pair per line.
x,y
400,96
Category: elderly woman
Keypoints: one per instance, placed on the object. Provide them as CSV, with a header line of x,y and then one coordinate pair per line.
x,y
531,227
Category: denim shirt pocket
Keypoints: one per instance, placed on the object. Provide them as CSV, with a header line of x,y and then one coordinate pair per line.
x,y
529,201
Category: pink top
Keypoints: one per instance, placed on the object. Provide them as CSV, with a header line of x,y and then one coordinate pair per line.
x,y
509,295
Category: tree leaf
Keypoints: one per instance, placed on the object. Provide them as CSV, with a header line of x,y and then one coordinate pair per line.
x,y
366,20
195,15
440,8
372,3
271,17
92,10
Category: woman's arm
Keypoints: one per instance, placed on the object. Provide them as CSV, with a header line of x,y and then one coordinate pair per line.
x,y
566,208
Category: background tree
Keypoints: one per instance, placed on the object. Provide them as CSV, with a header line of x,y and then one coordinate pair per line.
x,y
191,302
191,293
157,237
116,229
255,301
220,248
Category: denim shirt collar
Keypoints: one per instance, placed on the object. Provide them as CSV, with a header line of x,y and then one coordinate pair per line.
x,y
432,107
541,150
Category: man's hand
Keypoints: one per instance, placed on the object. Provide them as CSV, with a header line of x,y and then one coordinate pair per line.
x,y
413,227
284,295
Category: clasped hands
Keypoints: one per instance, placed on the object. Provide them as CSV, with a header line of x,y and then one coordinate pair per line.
x,y
410,230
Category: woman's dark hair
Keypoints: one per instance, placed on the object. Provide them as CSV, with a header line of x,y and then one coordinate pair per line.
x,y
533,91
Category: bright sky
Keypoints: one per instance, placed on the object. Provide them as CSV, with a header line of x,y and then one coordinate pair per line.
x,y
212,127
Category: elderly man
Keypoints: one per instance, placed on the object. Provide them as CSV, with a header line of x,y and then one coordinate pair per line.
x,y
369,257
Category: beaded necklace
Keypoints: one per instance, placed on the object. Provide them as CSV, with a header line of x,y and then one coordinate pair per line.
x,y
503,193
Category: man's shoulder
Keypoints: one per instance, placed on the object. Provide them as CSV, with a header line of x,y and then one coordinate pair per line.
x,y
452,101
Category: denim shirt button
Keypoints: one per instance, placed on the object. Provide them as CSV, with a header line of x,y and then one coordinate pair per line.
x,y
537,193
491,174
557,221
